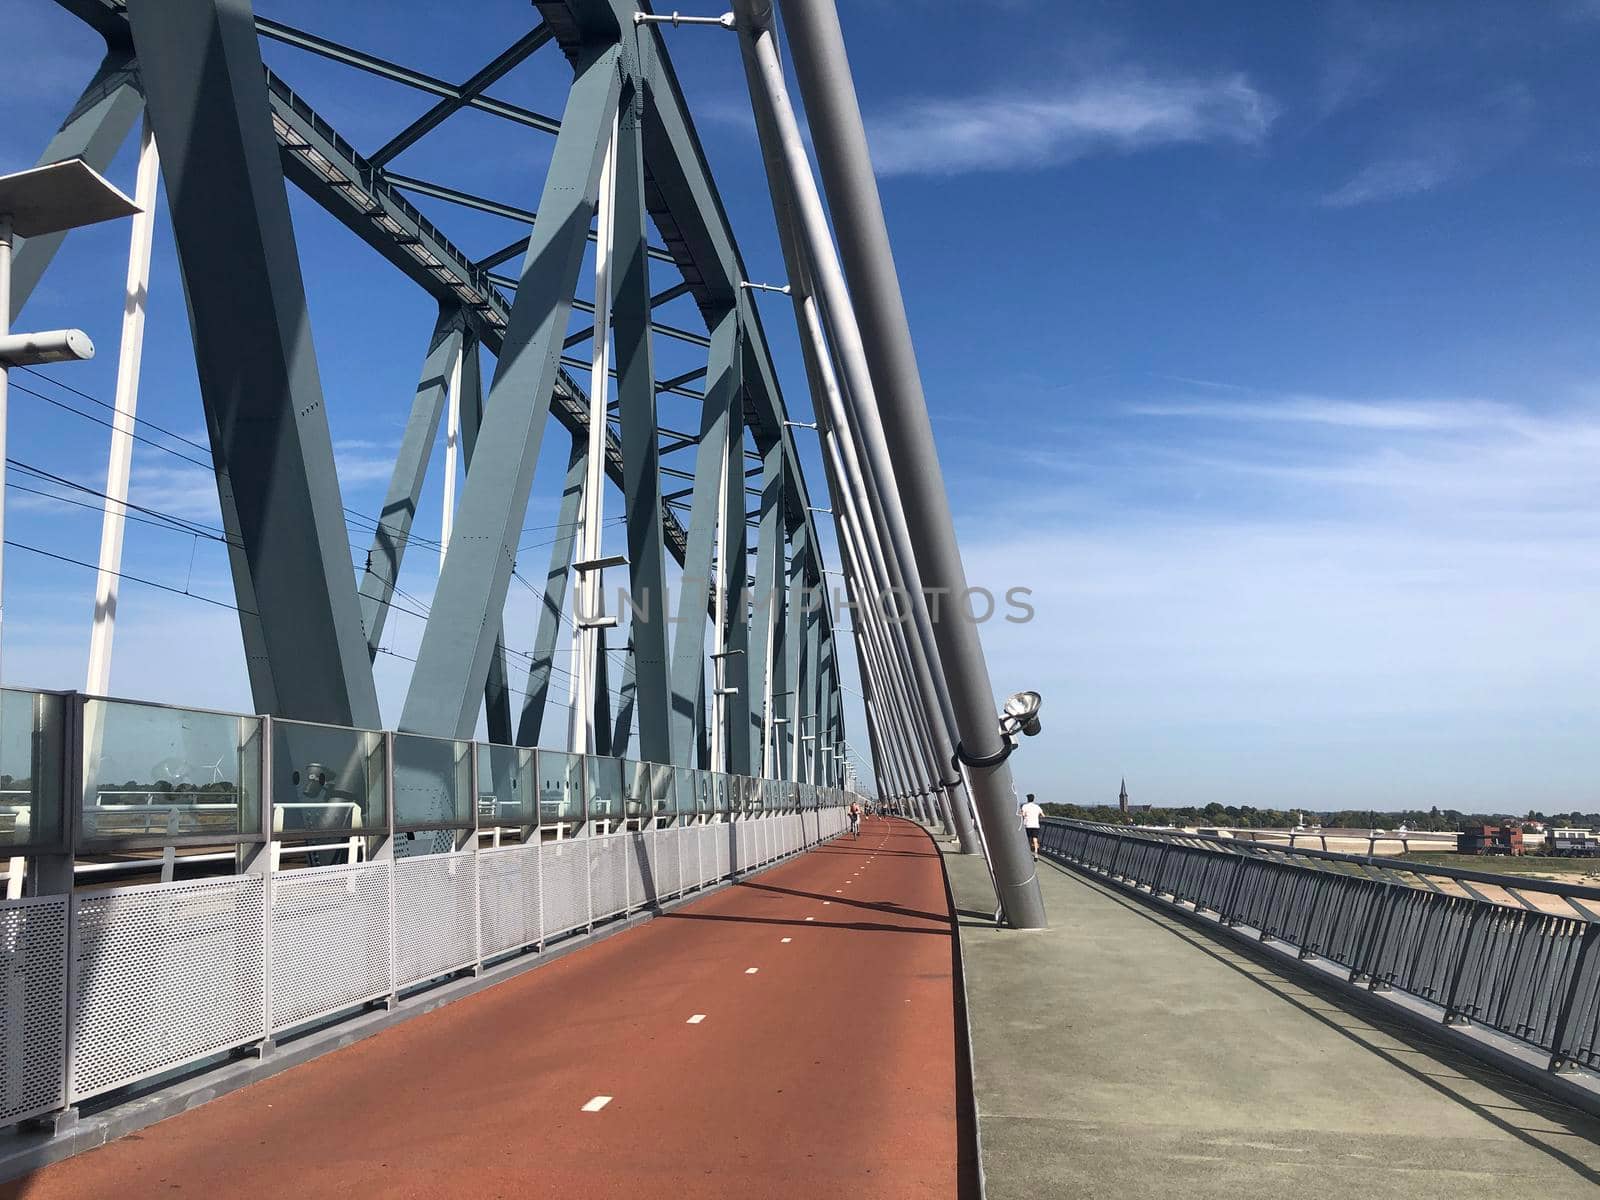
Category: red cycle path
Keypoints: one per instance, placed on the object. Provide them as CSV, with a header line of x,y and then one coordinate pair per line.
x,y
830,1071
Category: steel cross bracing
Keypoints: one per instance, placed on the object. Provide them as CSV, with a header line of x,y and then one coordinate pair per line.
x,y
202,76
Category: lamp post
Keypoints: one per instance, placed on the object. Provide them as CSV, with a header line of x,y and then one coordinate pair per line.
x,y
48,199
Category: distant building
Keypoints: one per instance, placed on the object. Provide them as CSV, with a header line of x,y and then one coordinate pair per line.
x,y
1122,797
1490,839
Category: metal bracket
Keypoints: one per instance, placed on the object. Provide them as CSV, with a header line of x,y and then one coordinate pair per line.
x,y
961,757
726,20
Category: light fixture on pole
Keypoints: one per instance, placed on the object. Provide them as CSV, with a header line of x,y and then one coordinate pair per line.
x,y
48,199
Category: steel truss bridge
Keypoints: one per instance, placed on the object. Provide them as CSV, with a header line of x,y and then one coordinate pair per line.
x,y
725,749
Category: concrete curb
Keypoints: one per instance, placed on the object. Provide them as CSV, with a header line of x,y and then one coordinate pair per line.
x,y
964,1061
23,1152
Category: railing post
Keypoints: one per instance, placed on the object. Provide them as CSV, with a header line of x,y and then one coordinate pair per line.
x,y
1582,980
1373,936
1452,1008
1230,913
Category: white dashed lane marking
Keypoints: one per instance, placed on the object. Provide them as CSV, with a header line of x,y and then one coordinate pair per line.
x,y
789,939
597,1104
696,1019
751,970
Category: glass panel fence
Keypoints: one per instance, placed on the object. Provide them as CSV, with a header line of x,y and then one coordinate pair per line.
x,y
31,782
636,804
508,786
432,783
604,779
663,792
560,791
688,792
327,781
154,775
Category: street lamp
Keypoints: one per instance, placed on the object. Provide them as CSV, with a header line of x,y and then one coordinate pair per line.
x,y
48,199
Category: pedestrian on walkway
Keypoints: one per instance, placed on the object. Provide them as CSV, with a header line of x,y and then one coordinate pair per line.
x,y
855,818
1031,815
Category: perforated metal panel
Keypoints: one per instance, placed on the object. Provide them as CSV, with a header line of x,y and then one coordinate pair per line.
x,y
435,916
166,974
699,853
722,840
508,898
641,875
33,1007
564,886
745,848
331,940
608,875
665,868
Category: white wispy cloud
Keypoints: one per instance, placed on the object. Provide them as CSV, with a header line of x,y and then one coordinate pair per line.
x,y
1118,112
1350,414
360,461
1431,150
1391,178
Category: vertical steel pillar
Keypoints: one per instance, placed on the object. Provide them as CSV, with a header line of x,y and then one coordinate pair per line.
x,y
648,666
553,600
399,510
733,566
722,396
763,620
794,642
206,94
622,731
467,382
589,602
457,643
120,459
452,447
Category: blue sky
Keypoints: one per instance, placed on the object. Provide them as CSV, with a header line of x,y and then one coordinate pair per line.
x,y
1259,340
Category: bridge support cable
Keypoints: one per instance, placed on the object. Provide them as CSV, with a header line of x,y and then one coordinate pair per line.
x,y
958,650
872,499
279,491
453,660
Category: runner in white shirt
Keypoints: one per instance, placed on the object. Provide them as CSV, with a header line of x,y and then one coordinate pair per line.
x,y
1031,815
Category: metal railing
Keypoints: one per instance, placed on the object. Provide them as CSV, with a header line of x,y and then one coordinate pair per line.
x,y
1526,966
391,887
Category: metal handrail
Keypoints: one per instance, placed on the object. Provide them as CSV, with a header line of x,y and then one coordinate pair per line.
x,y
1525,972
1392,863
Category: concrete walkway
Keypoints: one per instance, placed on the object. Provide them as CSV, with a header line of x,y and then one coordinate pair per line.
x,y
1126,1053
